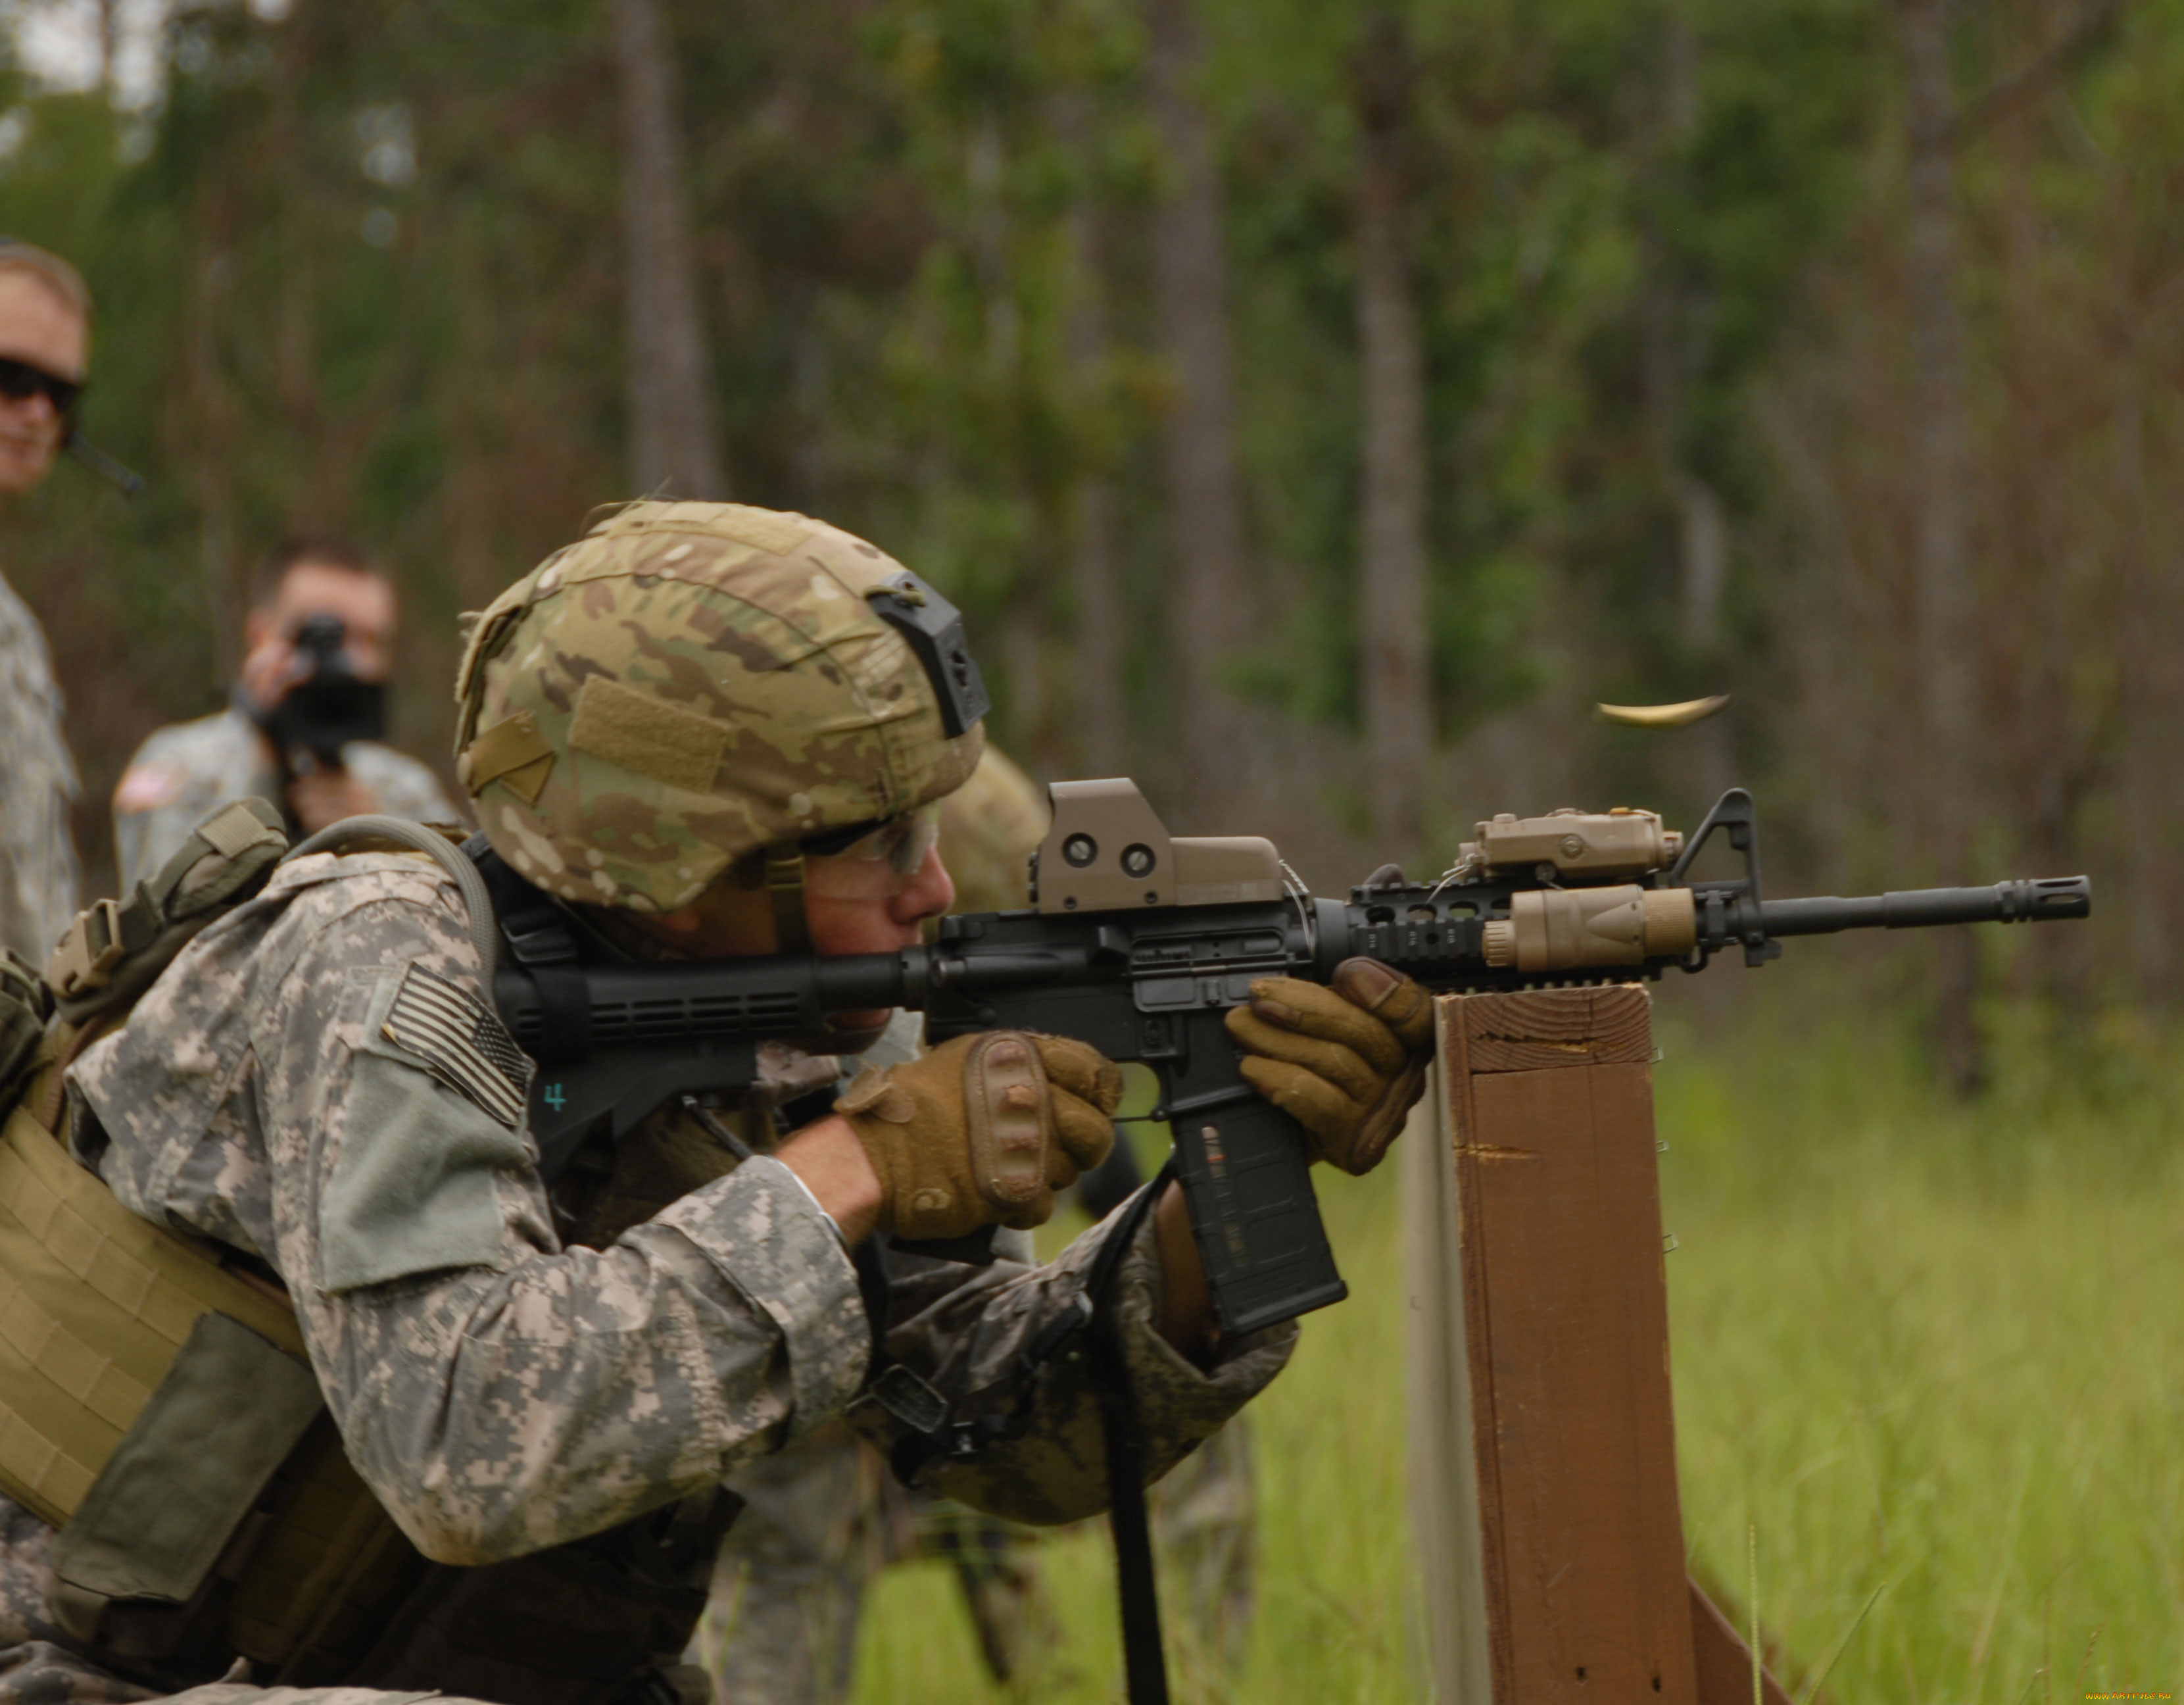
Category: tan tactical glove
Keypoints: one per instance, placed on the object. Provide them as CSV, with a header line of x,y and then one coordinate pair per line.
x,y
1346,1061
982,1131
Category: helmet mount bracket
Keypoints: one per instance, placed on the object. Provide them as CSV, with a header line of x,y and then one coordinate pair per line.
x,y
935,628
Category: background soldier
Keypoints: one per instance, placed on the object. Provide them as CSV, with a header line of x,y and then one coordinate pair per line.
x,y
1204,1512
303,728
45,352
825,1517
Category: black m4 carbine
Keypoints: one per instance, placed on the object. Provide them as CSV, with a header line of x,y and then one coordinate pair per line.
x,y
1138,942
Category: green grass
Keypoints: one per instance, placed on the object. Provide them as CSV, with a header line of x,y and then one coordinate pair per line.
x,y
1920,1348
1941,1349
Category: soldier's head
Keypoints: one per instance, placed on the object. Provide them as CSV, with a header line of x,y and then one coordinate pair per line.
x,y
303,587
45,353
726,726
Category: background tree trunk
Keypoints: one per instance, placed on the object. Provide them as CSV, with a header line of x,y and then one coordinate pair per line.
x,y
1673,323
2152,673
1211,601
467,490
211,438
1394,658
1100,709
1945,641
1672,350
317,501
108,41
673,443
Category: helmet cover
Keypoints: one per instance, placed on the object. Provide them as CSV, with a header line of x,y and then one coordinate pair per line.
x,y
688,684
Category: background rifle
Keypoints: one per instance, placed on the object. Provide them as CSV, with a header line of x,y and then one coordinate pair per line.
x,y
1138,942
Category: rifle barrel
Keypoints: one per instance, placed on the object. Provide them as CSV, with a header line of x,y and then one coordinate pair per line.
x,y
2040,900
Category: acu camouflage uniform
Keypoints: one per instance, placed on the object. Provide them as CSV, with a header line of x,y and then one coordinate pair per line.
x,y
510,1372
823,1517
1204,1512
184,772
37,783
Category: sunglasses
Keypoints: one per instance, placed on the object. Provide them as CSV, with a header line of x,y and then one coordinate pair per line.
x,y
20,381
902,841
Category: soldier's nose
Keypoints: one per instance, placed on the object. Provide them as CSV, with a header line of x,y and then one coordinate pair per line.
x,y
929,893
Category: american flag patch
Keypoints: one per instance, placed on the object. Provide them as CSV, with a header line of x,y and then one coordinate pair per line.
x,y
461,1041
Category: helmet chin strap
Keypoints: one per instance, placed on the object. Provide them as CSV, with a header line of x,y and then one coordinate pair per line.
x,y
784,886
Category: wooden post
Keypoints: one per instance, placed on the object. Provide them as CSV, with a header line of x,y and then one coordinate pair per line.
x,y
1543,1436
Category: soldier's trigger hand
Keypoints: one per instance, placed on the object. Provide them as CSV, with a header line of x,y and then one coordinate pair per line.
x,y
982,1130
1347,1062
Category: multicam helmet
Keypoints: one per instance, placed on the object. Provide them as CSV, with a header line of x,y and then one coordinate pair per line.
x,y
692,683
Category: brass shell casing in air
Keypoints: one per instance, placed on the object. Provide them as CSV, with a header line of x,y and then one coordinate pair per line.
x,y
1682,716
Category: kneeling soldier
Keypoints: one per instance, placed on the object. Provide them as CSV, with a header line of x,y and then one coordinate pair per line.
x,y
689,734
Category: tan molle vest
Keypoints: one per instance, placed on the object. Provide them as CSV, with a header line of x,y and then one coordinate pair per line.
x,y
184,1536
156,1406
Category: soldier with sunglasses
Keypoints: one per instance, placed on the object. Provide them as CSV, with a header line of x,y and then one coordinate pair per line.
x,y
45,344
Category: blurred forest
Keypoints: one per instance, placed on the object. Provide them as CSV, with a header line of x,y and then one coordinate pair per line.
x,y
1317,404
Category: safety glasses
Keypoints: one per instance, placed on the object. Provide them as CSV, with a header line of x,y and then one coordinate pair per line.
x,y
20,382
902,841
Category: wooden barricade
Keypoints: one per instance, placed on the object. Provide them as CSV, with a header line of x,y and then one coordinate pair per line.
x,y
1543,1434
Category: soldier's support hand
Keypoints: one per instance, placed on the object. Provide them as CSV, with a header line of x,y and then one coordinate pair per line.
x,y
1347,1062
982,1130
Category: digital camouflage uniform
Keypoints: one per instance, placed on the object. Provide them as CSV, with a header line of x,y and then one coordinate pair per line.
x,y
499,1391
185,772
1204,1512
500,1385
823,1517
37,782
819,1520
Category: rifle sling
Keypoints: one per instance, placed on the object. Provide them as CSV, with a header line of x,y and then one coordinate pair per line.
x,y
1144,1668
923,1413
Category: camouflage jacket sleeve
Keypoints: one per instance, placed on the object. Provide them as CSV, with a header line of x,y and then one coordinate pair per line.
x,y
499,1392
37,781
966,1337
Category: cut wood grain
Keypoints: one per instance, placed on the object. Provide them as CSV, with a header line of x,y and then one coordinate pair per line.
x,y
1444,1478
1536,1029
1724,1657
1577,1552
